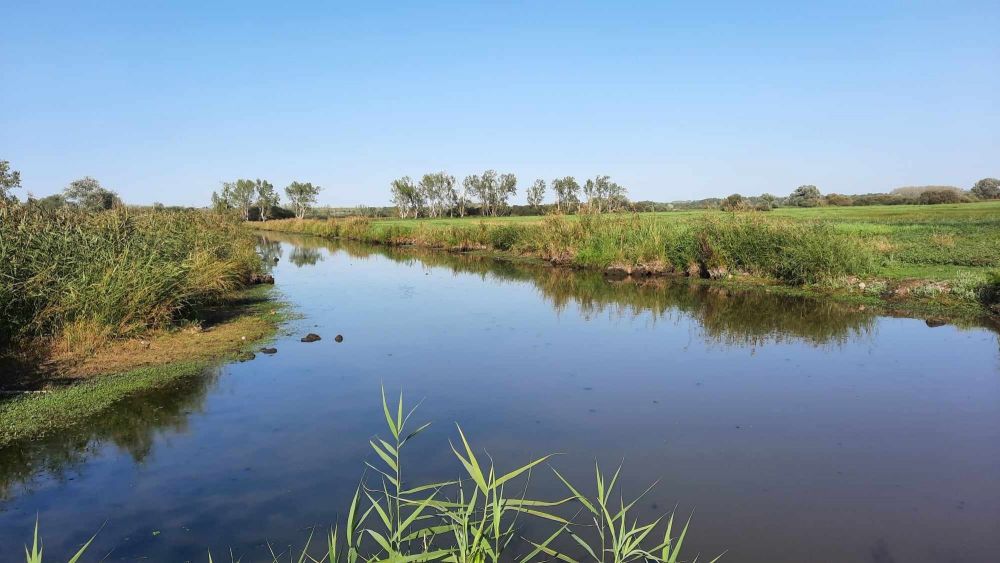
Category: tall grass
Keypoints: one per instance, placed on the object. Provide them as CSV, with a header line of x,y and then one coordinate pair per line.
x,y
795,252
479,517
87,277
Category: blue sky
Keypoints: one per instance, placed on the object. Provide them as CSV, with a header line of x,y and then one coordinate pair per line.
x,y
163,101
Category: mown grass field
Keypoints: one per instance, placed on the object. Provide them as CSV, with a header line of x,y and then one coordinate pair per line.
x,y
947,254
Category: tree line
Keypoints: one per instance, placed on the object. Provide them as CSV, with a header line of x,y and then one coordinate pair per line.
x,y
810,196
86,193
438,194
246,196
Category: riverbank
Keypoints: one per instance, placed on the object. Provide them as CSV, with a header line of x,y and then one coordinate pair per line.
x,y
97,306
66,392
935,260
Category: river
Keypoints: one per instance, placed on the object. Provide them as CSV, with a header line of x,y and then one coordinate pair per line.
x,y
792,429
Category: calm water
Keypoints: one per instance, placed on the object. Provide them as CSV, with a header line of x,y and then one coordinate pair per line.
x,y
795,430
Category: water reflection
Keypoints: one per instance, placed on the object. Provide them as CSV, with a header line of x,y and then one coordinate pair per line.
x,y
305,256
132,426
726,316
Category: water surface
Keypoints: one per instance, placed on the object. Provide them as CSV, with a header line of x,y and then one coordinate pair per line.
x,y
795,430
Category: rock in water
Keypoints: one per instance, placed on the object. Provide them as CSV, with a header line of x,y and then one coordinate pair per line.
x,y
311,337
338,338
268,350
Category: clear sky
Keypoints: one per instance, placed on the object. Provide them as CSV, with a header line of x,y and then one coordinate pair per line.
x,y
163,101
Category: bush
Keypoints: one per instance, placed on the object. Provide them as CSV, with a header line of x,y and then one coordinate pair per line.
x,y
933,197
504,237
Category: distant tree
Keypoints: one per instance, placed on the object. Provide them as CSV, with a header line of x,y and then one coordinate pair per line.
x,y
9,179
536,194
987,188
49,203
406,197
222,202
88,194
933,197
470,189
267,197
241,195
438,191
303,196
461,201
839,200
805,196
567,192
767,202
493,190
604,195
735,202
157,206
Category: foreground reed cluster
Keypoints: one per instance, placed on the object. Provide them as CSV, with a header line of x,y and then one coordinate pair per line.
x,y
83,278
479,517
794,252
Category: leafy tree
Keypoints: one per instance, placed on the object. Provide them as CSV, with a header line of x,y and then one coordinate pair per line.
x,y
438,191
567,193
49,203
767,202
267,197
303,196
536,194
462,198
222,203
604,195
9,179
492,190
987,188
805,196
407,198
240,195
88,194
934,197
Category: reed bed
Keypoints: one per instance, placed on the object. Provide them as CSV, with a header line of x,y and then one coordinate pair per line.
x,y
794,252
83,278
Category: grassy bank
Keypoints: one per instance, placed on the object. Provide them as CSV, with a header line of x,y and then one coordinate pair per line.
x,y
939,257
77,280
95,307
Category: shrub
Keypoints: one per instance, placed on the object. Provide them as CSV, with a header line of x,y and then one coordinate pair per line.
x,y
504,237
933,197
